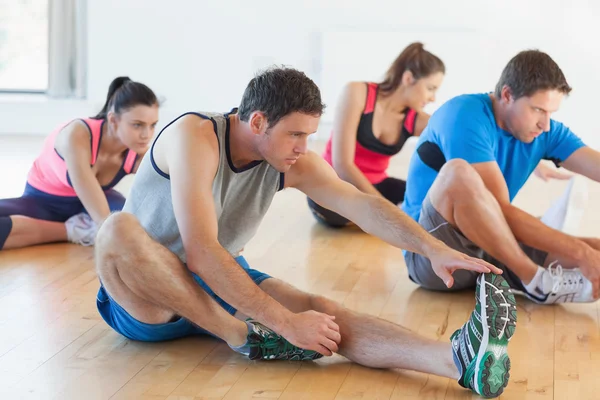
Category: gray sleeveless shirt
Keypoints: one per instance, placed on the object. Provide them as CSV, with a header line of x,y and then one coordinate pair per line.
x,y
241,196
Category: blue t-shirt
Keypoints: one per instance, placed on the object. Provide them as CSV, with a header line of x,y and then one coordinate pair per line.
x,y
465,127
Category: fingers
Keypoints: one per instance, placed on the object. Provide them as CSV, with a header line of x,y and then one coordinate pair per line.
x,y
489,266
335,336
333,325
323,350
446,277
471,266
330,345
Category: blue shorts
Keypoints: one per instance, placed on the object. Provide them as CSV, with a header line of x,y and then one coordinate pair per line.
x,y
48,207
120,320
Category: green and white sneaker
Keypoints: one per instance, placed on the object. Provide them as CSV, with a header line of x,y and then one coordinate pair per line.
x,y
479,347
265,344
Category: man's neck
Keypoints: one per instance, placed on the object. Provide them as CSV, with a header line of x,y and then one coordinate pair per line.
x,y
242,148
499,112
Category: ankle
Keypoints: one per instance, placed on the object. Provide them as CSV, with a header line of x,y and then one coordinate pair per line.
x,y
527,274
237,334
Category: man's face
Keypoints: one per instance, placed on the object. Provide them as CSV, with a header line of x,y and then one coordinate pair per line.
x,y
281,145
529,116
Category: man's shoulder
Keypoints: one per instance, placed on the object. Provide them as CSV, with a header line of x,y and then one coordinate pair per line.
x,y
466,116
475,105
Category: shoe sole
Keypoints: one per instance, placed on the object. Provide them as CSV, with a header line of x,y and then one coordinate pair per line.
x,y
499,317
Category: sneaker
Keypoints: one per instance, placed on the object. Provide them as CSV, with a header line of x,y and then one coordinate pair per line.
x,y
559,285
479,347
267,345
81,229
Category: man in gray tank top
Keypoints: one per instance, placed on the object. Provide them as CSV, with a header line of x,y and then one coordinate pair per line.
x,y
169,264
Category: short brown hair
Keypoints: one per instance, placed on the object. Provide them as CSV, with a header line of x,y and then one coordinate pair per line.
x,y
530,71
279,91
416,59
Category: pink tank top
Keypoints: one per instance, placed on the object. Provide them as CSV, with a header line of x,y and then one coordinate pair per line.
x,y
372,157
49,171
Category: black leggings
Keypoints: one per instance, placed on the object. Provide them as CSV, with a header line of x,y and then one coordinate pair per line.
x,y
391,188
41,205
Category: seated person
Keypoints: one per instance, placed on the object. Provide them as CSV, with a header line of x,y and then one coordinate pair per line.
x,y
476,153
69,188
374,120
170,266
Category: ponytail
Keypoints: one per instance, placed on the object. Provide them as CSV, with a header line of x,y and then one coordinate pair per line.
x,y
123,93
414,58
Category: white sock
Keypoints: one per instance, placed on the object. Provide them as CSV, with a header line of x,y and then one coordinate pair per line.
x,y
536,282
541,284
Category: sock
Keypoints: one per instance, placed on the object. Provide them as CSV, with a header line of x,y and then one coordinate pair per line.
x,y
245,348
537,284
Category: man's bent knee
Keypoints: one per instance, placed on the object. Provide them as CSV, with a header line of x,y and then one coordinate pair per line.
x,y
116,229
457,179
458,172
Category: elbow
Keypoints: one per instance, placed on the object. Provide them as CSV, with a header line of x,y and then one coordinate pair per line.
x,y
342,170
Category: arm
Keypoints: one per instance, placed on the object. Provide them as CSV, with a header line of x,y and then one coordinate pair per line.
x,y
377,216
525,227
191,188
347,117
546,172
421,123
586,162
73,144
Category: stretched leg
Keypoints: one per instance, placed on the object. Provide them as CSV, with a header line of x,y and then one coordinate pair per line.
x,y
152,285
23,231
26,221
377,343
461,197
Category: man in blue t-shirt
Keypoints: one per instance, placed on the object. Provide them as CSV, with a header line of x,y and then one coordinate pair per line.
x,y
474,156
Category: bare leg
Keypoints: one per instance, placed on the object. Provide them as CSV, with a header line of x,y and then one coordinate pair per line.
x,y
29,232
152,284
370,341
461,197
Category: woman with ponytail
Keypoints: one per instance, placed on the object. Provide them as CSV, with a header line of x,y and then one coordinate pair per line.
x,y
70,186
374,120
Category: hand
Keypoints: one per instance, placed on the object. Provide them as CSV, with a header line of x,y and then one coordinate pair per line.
x,y
315,331
545,173
590,267
445,261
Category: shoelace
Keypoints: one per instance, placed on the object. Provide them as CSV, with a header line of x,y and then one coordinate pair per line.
x,y
564,281
273,343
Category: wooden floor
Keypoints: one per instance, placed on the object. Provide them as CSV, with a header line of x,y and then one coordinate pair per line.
x,y
54,345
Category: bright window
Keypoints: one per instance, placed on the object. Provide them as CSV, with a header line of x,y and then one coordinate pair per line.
x,y
24,45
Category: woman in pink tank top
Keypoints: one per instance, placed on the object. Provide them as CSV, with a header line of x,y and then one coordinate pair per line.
x,y
70,186
373,122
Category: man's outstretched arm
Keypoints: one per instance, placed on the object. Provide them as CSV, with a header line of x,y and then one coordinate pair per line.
x,y
377,216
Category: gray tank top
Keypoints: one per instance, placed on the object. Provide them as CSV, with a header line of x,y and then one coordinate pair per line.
x,y
241,196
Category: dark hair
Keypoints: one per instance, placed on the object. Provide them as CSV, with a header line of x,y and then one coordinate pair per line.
x,y
530,71
280,91
414,58
123,94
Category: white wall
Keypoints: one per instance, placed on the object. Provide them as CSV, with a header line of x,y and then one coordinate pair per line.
x,y
200,55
